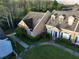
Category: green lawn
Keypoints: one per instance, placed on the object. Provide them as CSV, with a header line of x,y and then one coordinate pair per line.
x,y
67,44
48,52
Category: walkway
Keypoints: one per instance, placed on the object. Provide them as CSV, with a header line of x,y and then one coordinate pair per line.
x,y
13,37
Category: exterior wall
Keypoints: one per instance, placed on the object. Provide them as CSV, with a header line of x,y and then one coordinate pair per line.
x,y
71,35
22,25
53,31
39,28
66,35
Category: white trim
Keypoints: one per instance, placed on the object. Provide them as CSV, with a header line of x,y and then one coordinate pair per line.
x,y
76,26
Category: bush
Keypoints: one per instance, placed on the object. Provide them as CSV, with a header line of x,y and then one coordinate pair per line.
x,y
44,36
21,33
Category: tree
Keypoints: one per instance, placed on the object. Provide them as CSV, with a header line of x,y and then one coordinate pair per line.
x,y
21,33
6,15
55,5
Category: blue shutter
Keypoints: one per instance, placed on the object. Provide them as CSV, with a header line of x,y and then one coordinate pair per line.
x,y
75,40
55,33
61,35
69,37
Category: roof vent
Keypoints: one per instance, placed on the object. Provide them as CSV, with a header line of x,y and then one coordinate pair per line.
x,y
70,20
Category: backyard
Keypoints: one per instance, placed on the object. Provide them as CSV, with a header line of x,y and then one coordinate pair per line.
x,y
48,52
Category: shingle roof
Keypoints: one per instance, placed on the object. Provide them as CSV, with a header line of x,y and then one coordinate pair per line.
x,y
34,17
64,24
77,28
68,13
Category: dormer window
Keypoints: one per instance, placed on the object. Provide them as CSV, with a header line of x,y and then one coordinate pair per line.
x,y
61,18
70,20
53,17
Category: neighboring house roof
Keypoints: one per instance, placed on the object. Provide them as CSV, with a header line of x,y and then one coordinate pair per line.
x,y
2,35
5,48
65,24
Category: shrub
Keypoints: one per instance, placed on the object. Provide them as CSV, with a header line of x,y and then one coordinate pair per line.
x,y
21,33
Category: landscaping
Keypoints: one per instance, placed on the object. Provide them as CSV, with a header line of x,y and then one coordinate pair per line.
x,y
48,52
22,34
17,47
40,38
67,44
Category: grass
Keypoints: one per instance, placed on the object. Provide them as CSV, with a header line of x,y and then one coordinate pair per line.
x,y
35,41
48,52
67,44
